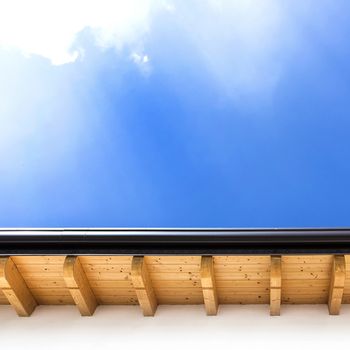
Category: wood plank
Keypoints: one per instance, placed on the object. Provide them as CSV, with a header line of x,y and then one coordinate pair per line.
x,y
306,275
38,275
173,260
38,260
103,300
304,299
45,282
41,269
55,300
180,300
336,288
156,284
108,276
108,268
242,293
50,292
111,268
110,284
243,284
111,291
242,259
244,299
306,259
185,268
178,292
176,284
315,268
188,276
275,285
228,276
15,289
175,276
222,269
116,300
143,286
305,290
105,259
208,285
78,285
287,284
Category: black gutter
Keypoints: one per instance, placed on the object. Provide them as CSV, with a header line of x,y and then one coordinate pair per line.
x,y
174,241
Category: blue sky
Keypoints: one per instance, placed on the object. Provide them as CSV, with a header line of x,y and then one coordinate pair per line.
x,y
180,114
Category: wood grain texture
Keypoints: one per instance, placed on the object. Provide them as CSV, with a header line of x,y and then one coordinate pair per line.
x,y
275,285
179,280
143,286
15,289
336,288
306,279
242,279
78,286
209,286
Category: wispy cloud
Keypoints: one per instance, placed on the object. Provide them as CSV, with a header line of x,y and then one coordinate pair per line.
x,y
244,44
142,61
50,28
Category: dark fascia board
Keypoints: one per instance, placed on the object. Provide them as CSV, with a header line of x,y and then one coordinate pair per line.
x,y
174,241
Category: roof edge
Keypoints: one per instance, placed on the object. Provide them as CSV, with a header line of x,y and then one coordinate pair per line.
x,y
173,241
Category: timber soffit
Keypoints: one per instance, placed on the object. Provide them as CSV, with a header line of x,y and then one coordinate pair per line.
x,y
148,267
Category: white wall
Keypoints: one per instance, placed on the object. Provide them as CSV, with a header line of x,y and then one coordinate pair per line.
x,y
123,327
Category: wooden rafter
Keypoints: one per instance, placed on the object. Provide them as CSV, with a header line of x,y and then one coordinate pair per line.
x,y
275,285
14,288
336,288
27,280
143,286
78,285
208,285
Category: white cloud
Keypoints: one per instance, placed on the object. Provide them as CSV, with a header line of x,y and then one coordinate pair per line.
x,y
243,43
142,61
49,28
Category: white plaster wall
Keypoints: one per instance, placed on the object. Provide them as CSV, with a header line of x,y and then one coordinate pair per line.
x,y
175,327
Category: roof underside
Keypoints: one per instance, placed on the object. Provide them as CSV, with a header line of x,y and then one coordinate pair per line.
x,y
148,267
88,281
